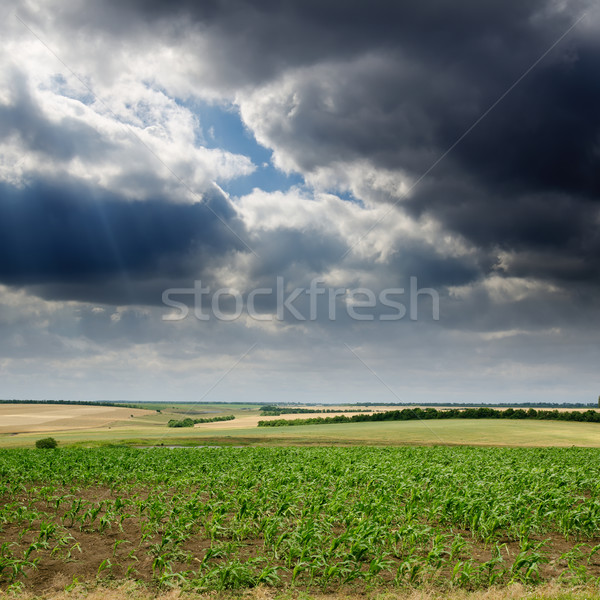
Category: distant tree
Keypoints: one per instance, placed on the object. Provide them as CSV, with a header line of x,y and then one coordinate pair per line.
x,y
46,443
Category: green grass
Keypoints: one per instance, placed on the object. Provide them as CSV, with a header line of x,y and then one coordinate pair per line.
x,y
460,431
152,430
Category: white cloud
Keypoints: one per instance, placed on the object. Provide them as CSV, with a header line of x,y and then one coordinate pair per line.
x,y
140,140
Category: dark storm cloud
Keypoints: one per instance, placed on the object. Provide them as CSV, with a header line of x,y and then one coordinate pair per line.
x,y
55,235
395,85
442,64
434,269
545,135
549,235
260,37
530,170
70,242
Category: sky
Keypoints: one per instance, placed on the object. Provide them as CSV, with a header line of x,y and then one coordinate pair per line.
x,y
300,201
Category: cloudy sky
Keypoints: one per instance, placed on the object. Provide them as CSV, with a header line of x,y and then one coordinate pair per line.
x,y
148,149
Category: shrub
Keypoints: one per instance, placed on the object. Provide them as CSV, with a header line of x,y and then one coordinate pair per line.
x,y
46,443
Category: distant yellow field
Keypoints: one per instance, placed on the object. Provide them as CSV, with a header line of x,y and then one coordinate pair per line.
x,y
29,418
252,420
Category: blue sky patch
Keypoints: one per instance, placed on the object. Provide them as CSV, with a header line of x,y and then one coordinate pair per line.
x,y
222,128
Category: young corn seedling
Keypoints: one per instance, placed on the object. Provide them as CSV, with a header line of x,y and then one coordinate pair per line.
x,y
576,572
526,566
491,572
117,544
105,565
464,574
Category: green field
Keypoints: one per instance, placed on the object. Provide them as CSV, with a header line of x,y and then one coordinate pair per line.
x,y
322,520
451,432
152,430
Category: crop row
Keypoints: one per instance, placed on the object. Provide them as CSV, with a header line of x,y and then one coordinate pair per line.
x,y
211,518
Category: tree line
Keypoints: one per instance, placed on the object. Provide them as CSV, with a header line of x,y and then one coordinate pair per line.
x,y
273,411
73,402
191,422
412,414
